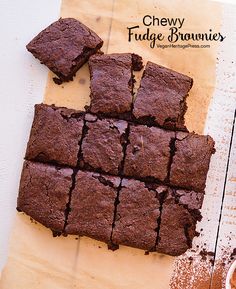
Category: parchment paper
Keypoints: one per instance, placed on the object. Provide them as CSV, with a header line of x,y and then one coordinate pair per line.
x,y
39,261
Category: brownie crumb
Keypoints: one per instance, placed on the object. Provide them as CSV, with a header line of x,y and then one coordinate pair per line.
x,y
204,254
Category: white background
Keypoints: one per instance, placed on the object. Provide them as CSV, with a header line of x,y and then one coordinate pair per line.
x,y
22,82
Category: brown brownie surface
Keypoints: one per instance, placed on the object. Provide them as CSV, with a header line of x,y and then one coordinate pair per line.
x,y
55,135
161,97
92,205
191,161
102,146
112,82
148,152
65,46
137,215
44,193
178,222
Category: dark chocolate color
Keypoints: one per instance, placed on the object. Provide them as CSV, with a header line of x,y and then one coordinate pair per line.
x,y
92,206
148,152
191,161
137,216
178,224
161,97
112,82
102,147
55,135
65,46
44,193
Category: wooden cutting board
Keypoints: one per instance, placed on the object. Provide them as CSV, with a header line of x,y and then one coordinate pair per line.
x,y
38,260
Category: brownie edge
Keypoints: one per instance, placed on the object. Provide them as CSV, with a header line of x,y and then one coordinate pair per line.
x,y
44,193
112,83
64,46
161,97
55,135
191,161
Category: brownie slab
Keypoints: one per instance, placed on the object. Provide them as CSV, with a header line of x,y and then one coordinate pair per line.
x,y
65,46
44,193
161,97
112,82
137,215
179,215
102,146
92,206
55,135
148,152
191,161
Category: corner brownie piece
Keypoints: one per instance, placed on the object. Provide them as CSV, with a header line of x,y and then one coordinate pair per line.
x,y
65,46
102,146
112,82
179,215
161,97
137,215
191,161
44,193
92,206
55,135
148,152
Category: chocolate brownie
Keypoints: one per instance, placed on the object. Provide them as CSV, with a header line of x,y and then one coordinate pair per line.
x,y
44,193
102,146
65,46
55,135
137,215
161,97
148,152
191,161
112,82
92,205
179,215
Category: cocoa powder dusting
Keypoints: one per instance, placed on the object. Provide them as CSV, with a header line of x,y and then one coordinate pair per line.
x,y
191,272
194,269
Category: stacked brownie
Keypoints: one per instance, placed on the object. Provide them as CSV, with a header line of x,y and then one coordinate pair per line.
x,y
126,171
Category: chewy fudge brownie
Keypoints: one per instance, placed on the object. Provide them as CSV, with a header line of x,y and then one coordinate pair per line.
x,y
44,193
148,152
179,215
161,97
55,135
137,215
102,146
92,206
64,47
191,161
112,82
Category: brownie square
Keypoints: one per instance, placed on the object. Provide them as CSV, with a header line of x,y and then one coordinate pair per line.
x,y
191,161
112,82
102,146
65,46
137,215
55,135
44,193
161,97
148,152
92,205
179,214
